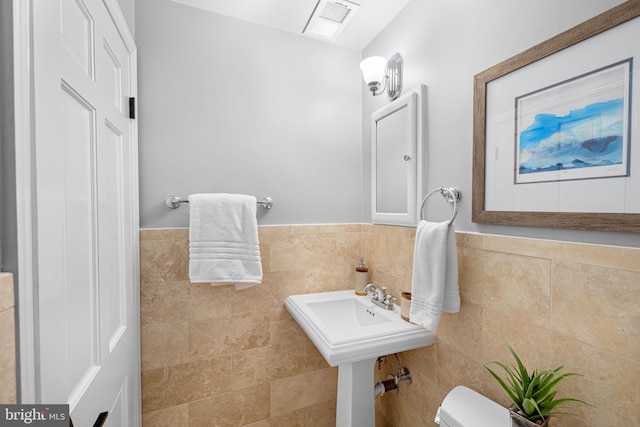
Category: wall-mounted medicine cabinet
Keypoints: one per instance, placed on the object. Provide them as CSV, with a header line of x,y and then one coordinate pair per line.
x,y
397,159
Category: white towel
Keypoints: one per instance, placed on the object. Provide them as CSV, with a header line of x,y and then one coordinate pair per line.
x,y
434,281
223,240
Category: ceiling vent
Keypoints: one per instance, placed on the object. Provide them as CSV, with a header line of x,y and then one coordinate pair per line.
x,y
329,18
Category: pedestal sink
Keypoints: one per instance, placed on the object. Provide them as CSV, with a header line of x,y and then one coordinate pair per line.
x,y
351,332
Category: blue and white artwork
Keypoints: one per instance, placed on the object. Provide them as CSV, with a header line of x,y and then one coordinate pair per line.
x,y
577,129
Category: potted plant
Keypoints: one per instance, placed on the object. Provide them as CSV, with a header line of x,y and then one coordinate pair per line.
x,y
533,394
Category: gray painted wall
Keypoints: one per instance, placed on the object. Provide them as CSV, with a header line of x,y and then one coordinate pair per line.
x,y
228,106
129,12
444,44
8,237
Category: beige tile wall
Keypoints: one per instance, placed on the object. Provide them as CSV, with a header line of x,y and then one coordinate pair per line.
x,y
7,340
216,356
556,303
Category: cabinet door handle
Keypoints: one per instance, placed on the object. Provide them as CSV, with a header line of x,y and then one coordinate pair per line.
x,y
407,157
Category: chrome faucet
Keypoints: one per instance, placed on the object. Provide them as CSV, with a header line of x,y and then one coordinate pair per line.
x,y
379,293
380,297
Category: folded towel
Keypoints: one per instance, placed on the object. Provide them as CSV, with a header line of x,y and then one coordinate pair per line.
x,y
434,281
223,240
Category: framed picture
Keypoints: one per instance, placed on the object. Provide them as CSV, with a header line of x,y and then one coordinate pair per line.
x,y
577,129
555,142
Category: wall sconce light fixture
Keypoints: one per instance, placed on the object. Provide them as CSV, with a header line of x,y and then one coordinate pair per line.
x,y
378,74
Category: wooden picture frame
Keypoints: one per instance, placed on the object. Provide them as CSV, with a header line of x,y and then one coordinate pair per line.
x,y
528,61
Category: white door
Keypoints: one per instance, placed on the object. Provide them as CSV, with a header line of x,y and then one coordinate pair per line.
x,y
86,223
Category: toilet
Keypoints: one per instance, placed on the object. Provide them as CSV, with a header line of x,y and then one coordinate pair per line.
x,y
463,407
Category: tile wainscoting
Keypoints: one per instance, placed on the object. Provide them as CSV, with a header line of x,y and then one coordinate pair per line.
x,y
216,356
8,393
556,303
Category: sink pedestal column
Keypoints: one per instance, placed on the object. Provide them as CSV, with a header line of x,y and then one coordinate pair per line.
x,y
356,400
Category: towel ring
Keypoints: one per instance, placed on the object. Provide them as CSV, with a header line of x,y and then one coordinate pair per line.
x,y
451,195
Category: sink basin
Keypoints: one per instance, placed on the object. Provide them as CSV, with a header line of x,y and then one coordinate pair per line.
x,y
346,327
346,314
351,332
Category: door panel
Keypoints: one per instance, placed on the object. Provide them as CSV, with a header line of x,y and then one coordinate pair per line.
x,y
86,224
76,31
79,280
110,199
112,76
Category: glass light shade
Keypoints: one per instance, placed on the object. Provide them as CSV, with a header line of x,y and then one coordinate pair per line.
x,y
373,69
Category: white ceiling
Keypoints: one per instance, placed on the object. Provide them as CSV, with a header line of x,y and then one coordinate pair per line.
x,y
292,15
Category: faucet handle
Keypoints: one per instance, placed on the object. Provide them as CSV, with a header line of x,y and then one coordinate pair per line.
x,y
389,300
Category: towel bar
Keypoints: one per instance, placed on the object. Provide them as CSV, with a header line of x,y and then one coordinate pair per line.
x,y
174,202
451,195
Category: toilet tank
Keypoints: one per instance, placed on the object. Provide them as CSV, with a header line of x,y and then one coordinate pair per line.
x,y
463,407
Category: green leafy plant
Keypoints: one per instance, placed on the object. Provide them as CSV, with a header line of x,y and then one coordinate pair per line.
x,y
533,393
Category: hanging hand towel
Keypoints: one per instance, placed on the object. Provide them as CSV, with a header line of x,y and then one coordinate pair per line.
x,y
223,240
434,281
